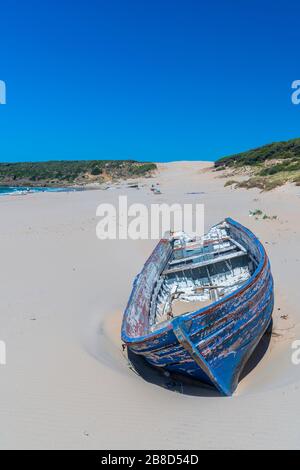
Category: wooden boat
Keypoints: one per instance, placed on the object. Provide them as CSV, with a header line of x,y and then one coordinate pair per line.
x,y
199,307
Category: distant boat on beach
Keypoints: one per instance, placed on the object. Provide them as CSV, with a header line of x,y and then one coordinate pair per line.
x,y
200,306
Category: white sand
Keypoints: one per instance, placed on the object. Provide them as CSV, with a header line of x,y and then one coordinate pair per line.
x,y
67,383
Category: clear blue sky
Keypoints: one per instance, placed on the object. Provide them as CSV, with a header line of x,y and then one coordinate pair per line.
x,y
151,80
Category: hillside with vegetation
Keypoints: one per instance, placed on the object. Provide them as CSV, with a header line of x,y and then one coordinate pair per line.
x,y
68,173
266,167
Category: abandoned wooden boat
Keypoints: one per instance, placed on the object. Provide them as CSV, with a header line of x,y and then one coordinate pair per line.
x,y
200,307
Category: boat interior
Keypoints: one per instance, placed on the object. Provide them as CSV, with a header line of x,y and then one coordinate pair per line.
x,y
198,273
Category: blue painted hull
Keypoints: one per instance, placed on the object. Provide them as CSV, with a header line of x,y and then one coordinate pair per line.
x,y
212,344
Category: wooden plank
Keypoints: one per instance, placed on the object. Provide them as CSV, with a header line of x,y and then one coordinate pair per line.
x,y
238,245
201,255
201,264
199,244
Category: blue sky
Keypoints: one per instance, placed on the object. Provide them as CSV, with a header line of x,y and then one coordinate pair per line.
x,y
152,80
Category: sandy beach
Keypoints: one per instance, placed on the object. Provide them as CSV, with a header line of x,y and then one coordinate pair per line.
x,y
67,383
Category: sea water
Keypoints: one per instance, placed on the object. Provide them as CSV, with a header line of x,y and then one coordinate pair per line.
x,y
17,190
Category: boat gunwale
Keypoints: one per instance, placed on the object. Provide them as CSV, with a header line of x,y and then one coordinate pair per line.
x,y
205,310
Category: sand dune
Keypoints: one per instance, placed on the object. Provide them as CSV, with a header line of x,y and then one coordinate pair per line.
x,y
67,382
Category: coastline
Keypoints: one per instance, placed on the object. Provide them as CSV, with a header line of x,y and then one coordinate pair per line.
x,y
23,190
67,383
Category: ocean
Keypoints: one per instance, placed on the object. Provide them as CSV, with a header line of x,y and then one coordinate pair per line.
x,y
7,190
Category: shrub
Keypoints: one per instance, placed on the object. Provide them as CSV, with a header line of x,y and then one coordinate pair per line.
x,y
96,171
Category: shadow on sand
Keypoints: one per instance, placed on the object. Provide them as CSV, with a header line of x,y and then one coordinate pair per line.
x,y
188,386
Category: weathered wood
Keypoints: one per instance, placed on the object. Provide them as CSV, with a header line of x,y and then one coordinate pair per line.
x,y
214,343
201,255
202,264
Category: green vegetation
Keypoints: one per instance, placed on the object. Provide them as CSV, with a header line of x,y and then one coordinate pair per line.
x,y
65,173
96,171
230,183
268,167
257,213
297,180
289,150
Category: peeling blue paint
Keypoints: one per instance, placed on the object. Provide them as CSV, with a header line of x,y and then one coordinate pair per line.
x,y
214,343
